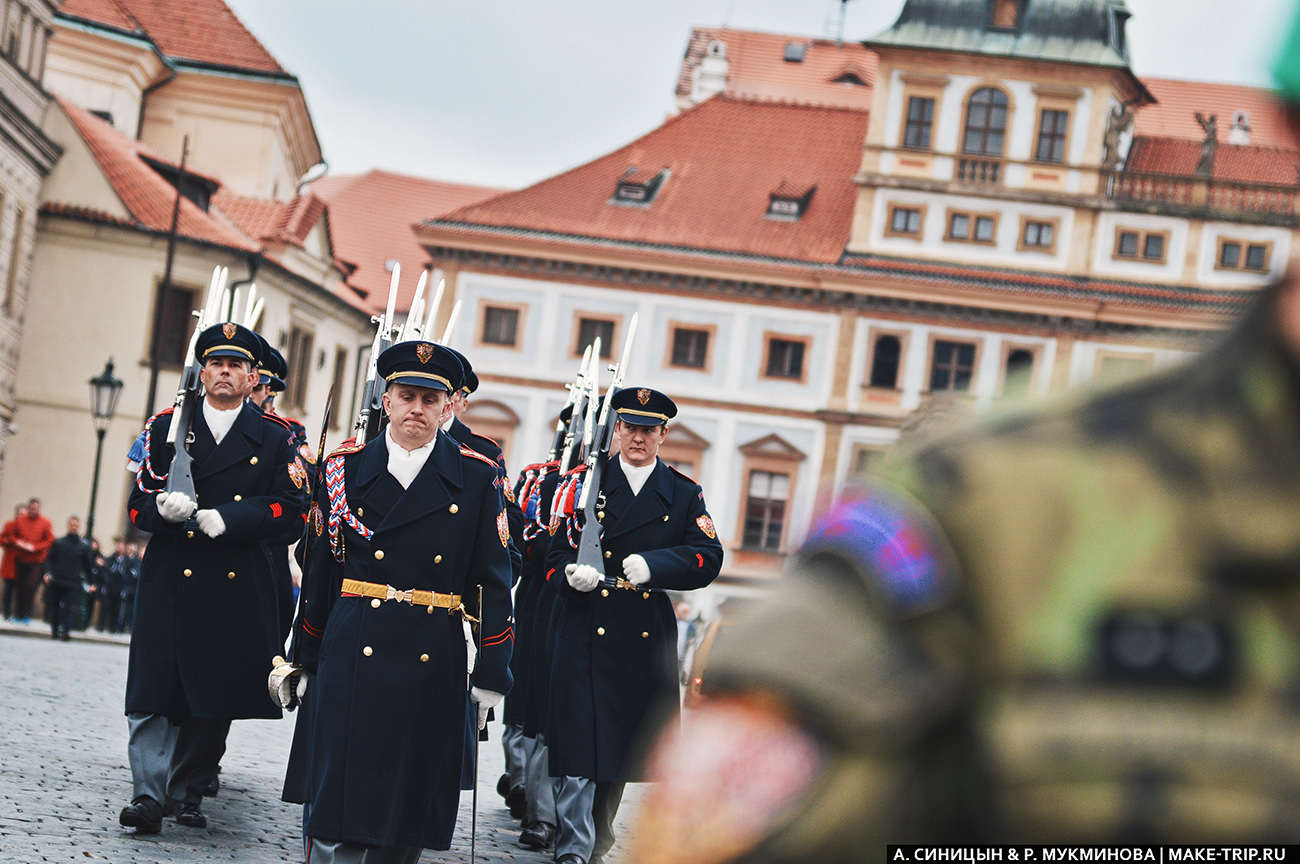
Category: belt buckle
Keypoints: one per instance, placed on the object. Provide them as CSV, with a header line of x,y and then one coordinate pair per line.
x,y
400,596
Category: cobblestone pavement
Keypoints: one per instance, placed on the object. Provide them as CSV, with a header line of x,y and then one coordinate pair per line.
x,y
64,774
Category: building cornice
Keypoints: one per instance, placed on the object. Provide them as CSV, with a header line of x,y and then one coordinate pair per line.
x,y
27,137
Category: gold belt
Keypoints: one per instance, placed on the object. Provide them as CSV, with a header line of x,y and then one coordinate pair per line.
x,y
430,599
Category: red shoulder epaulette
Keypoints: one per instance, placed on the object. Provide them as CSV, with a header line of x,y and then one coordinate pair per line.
x,y
465,451
683,475
348,446
278,420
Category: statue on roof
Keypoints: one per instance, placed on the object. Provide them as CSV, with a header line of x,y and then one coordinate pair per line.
x,y
1118,122
1205,165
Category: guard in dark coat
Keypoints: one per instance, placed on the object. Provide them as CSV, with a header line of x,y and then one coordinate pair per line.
x,y
415,530
207,622
614,667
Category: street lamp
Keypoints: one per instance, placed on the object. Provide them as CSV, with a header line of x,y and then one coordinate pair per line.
x,y
104,390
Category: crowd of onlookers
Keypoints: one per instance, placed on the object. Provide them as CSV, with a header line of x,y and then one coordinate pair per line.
x,y
77,586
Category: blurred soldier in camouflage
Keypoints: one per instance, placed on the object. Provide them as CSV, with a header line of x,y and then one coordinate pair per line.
x,y
1082,625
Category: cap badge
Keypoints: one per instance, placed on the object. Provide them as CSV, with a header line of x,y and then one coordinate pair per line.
x,y
228,330
424,351
643,395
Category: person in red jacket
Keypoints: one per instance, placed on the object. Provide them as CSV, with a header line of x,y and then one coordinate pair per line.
x,y
33,537
9,546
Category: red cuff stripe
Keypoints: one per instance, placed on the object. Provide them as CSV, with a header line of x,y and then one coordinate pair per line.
x,y
549,573
134,513
507,636
700,558
276,510
311,631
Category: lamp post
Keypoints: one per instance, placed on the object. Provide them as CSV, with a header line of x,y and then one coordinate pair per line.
x,y
104,390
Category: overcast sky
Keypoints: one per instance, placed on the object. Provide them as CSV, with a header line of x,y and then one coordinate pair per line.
x,y
508,93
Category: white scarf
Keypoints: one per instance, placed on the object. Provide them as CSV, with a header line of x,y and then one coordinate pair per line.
x,y
220,420
405,464
636,477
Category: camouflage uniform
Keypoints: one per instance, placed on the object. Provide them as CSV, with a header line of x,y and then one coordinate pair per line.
x,y
1080,625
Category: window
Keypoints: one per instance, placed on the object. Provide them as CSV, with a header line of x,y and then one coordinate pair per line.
x,y
500,326
1004,14
589,329
1141,245
1051,135
790,200
784,358
765,510
1240,255
905,222
986,123
176,323
1019,372
336,383
690,348
639,186
920,119
885,357
298,358
952,365
972,227
1038,235
1115,368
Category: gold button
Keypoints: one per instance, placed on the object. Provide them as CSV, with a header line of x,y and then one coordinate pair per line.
x,y
600,514
230,575
665,517
189,534
361,511
608,553
600,631
645,595
374,604
645,635
604,592
437,559
252,460
453,509
424,658
379,554
239,497
188,572
367,650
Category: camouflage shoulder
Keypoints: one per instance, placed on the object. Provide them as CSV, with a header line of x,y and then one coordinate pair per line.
x,y
347,448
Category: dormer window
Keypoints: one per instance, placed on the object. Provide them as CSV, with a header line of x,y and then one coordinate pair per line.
x,y
790,200
795,52
638,186
1004,14
851,77
197,188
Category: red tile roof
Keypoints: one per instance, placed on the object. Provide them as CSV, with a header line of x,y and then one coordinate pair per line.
x,y
1241,163
143,192
268,219
1174,114
371,218
756,68
725,157
206,31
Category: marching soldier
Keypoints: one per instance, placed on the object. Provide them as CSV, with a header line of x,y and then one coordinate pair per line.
x,y
206,622
615,652
415,533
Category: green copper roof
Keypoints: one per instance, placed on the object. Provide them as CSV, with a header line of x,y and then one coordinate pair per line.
x,y
1090,32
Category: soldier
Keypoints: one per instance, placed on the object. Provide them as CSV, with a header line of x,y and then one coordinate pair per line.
x,y
615,650
415,532
206,625
1074,625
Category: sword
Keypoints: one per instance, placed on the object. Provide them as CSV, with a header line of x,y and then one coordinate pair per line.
x,y
473,812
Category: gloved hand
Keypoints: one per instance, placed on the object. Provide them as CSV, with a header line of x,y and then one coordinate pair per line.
x,y
583,577
287,683
210,523
175,506
636,570
485,699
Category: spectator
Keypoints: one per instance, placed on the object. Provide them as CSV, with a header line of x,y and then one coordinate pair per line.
x,y
67,568
112,585
9,545
92,593
131,574
34,536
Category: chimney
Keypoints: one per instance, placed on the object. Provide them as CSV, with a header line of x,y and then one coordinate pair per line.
x,y
710,77
1240,131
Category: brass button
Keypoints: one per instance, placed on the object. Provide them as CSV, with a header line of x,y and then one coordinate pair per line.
x,y
600,631
645,635
361,511
604,592
230,575
379,554
374,604
188,572
189,534
424,658
665,517
600,514
367,650
645,595
239,497
608,553
252,460
437,559
453,509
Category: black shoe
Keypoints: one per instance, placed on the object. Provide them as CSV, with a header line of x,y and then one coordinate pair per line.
x,y
517,801
191,817
171,807
143,814
212,788
503,785
539,836
570,858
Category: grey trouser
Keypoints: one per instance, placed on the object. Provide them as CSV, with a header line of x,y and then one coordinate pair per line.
x,y
539,787
585,811
336,852
512,742
199,749
173,761
151,742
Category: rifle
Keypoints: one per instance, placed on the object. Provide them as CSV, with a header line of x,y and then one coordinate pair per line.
x,y
369,422
598,440
180,476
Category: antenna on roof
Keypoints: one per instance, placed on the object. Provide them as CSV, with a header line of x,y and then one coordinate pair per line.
x,y
839,34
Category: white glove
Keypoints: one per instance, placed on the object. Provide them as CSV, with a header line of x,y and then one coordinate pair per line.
x,y
485,699
583,577
636,570
175,506
210,523
287,683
